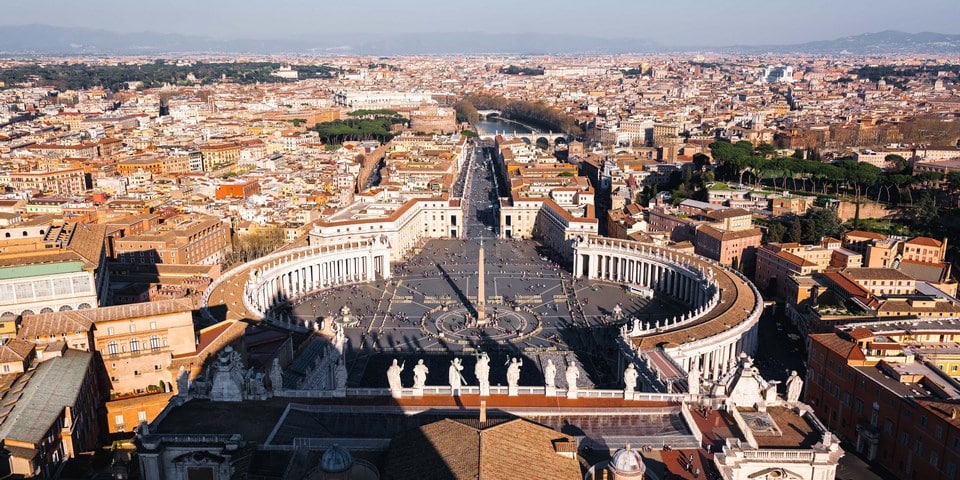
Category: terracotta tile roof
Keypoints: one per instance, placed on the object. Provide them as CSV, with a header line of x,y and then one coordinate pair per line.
x,y
15,350
794,259
847,284
73,321
861,333
516,448
925,241
942,408
725,235
875,274
841,346
863,234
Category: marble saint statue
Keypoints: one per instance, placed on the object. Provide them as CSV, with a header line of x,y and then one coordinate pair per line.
x,y
454,376
420,372
572,374
393,375
513,372
482,370
550,374
794,387
630,378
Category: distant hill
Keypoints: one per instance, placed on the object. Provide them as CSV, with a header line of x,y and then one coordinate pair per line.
x,y
886,42
52,40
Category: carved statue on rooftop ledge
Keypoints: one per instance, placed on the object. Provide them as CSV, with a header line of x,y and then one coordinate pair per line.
x,y
794,387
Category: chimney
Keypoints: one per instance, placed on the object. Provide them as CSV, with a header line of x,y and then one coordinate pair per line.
x,y
483,411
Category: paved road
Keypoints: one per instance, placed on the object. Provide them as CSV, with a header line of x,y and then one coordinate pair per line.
x,y
480,194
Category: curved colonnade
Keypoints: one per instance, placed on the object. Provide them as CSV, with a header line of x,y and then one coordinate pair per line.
x,y
724,307
287,275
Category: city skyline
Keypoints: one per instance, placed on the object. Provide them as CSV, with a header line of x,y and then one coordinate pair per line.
x,y
683,23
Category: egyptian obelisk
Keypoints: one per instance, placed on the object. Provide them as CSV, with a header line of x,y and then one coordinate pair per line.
x,y
481,296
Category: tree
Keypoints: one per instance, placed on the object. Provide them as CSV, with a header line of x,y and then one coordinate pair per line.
x,y
929,177
821,222
466,112
766,150
926,215
775,232
898,163
794,234
953,181
798,154
700,160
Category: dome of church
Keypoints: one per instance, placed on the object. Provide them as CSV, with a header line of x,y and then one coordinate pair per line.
x,y
336,459
627,461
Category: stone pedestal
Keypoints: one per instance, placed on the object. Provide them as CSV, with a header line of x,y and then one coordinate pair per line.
x,y
628,394
396,393
513,391
550,391
484,390
572,393
417,392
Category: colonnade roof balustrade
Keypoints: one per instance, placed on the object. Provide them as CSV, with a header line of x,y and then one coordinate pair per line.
x,y
228,291
739,299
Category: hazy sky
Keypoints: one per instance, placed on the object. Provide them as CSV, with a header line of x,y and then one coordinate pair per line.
x,y
670,22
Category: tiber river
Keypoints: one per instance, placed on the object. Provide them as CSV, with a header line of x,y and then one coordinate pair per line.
x,y
492,125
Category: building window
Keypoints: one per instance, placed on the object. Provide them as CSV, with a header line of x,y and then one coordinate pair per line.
x,y
112,348
142,416
109,330
951,470
153,325
934,458
154,343
923,420
119,421
938,432
133,328
135,345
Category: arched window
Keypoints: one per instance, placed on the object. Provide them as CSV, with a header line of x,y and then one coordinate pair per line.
x,y
134,345
154,343
112,348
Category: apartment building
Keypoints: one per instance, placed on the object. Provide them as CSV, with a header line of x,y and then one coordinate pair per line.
x,y
895,406
183,239
66,182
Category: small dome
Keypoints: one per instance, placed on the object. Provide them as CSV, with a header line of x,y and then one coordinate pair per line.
x,y
627,460
335,460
